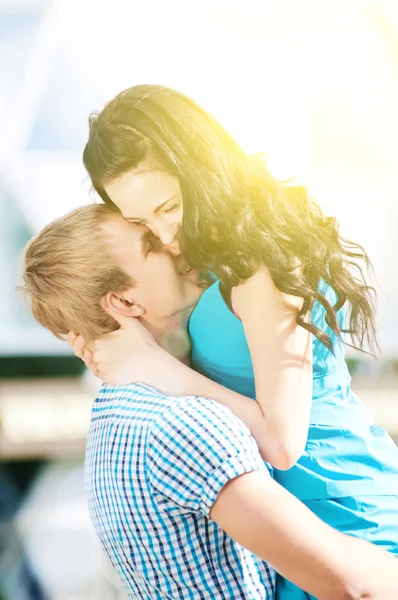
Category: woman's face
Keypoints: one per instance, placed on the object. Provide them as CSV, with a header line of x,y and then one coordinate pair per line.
x,y
152,199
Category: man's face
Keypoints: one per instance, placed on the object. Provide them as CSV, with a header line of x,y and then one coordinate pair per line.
x,y
162,286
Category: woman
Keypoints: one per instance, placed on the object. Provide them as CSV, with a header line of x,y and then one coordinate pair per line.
x,y
287,283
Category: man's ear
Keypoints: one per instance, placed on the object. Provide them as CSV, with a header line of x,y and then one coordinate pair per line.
x,y
116,305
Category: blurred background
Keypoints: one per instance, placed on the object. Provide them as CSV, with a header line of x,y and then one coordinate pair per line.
x,y
313,84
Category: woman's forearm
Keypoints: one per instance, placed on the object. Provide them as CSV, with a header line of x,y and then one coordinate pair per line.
x,y
174,378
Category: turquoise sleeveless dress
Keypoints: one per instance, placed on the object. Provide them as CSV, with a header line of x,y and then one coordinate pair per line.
x,y
348,473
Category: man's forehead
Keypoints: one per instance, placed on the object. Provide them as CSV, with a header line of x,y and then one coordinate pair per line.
x,y
122,236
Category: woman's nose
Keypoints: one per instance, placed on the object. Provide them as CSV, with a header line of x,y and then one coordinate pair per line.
x,y
167,233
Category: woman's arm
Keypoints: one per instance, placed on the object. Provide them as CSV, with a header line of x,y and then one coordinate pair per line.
x,y
278,420
281,353
131,354
171,376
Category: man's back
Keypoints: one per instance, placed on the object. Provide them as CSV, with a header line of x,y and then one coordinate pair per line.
x,y
154,467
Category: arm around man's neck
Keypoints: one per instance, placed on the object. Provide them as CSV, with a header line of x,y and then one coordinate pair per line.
x,y
267,520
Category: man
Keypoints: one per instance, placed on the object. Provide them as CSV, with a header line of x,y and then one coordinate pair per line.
x,y
179,495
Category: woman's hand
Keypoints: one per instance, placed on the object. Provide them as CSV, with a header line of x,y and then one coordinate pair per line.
x,y
76,342
118,357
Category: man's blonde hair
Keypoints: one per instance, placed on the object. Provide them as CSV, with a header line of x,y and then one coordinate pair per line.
x,y
68,269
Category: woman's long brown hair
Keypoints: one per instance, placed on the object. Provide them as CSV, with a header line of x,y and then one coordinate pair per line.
x,y
236,216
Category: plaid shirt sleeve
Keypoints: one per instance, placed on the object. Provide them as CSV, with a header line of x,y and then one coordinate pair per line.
x,y
195,448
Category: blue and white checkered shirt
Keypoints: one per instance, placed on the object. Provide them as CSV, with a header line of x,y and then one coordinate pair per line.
x,y
154,467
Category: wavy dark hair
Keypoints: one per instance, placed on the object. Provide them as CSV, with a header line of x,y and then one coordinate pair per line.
x,y
236,216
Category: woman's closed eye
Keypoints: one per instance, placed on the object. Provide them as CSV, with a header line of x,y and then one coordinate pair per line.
x,y
172,208
136,222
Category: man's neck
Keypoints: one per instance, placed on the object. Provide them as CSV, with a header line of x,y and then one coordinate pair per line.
x,y
171,333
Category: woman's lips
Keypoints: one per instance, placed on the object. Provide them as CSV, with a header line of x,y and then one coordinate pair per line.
x,y
189,274
187,269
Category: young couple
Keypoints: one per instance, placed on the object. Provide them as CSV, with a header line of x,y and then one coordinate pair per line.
x,y
202,481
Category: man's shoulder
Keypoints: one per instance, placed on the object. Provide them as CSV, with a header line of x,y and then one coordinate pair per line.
x,y
179,416
199,422
144,398
131,404
202,411
195,449
142,401
129,391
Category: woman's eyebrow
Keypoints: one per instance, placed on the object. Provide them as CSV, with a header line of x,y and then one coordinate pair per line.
x,y
159,208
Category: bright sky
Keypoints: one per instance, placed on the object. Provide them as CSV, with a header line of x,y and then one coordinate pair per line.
x,y
315,84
